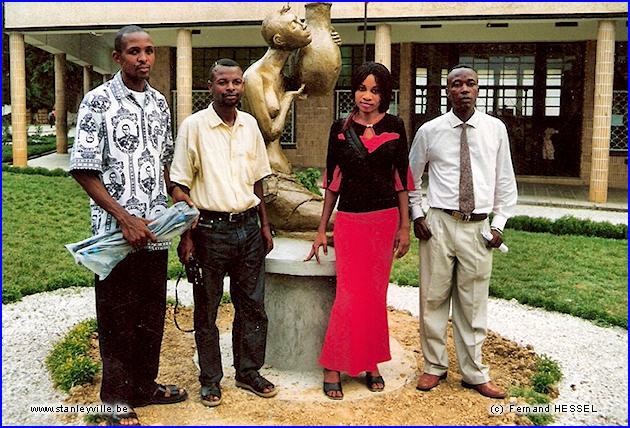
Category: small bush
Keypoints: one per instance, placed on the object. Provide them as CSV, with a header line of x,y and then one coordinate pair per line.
x,y
547,373
569,225
58,172
68,362
310,179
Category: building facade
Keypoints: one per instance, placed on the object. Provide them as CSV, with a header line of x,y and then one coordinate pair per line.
x,y
555,73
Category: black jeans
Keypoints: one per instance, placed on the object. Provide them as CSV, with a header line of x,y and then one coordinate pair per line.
x,y
130,305
235,248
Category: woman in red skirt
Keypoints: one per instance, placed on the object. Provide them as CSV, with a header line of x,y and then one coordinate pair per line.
x,y
367,169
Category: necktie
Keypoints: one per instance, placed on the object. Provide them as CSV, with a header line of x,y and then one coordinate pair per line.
x,y
466,194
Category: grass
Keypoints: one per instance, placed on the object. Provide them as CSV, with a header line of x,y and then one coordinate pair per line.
x,y
36,145
41,214
547,374
68,362
578,275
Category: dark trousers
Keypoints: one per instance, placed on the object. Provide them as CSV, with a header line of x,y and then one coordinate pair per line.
x,y
236,249
130,305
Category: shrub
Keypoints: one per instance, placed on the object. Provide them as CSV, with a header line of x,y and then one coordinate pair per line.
x,y
547,373
58,172
569,225
310,179
68,362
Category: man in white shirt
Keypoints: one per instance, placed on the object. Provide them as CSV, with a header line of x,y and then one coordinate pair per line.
x,y
470,176
123,129
219,163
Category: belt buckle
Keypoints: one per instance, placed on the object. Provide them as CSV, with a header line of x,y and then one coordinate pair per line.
x,y
461,216
232,217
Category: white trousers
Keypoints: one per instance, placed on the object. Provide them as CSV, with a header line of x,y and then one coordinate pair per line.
x,y
455,267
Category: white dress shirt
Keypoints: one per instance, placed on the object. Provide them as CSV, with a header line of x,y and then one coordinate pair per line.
x,y
437,143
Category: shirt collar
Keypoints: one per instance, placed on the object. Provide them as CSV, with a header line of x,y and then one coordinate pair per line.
x,y
455,121
215,119
121,91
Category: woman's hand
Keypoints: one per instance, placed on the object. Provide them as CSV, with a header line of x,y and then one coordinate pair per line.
x,y
401,243
320,241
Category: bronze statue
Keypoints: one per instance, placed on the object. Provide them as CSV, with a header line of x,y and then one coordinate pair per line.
x,y
268,94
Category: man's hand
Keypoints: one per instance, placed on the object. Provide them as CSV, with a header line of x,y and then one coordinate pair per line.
x,y
185,247
265,231
496,240
178,195
136,232
320,241
401,242
420,229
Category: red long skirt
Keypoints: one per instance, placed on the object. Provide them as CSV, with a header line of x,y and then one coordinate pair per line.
x,y
357,338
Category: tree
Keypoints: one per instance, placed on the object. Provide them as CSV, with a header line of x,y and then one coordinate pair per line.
x,y
40,78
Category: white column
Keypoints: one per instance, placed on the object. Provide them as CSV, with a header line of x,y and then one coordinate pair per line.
x,y
184,75
383,45
602,111
18,98
61,116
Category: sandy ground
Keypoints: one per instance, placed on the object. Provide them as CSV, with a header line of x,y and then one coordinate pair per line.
x,y
400,404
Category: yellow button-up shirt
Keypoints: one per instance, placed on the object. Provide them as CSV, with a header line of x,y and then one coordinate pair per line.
x,y
219,163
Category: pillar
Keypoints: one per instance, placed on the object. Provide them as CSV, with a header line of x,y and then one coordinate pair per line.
x,y
87,79
18,98
383,45
184,75
61,116
602,111
407,79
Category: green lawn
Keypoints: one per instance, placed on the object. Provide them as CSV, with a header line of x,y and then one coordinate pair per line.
x,y
583,276
39,216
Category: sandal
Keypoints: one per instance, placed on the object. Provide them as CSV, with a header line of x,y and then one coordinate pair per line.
x,y
371,380
255,383
212,390
159,396
333,386
115,419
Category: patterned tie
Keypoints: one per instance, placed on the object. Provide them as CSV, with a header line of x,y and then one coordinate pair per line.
x,y
466,194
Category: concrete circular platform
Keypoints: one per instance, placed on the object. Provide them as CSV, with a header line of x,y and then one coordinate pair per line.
x,y
295,386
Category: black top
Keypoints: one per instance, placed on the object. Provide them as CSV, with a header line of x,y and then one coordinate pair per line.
x,y
368,184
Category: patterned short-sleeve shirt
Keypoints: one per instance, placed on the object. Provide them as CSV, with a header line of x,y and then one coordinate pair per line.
x,y
129,144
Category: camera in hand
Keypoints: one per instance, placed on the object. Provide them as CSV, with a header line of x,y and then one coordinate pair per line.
x,y
193,272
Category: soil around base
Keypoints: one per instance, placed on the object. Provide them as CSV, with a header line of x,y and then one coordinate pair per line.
x,y
447,404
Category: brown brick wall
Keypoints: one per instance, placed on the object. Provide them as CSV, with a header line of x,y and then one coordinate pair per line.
x,y
407,84
161,72
313,118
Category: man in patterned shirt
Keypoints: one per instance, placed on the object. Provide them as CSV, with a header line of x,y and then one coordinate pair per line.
x,y
123,129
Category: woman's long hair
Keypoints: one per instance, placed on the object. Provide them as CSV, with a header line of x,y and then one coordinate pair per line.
x,y
384,81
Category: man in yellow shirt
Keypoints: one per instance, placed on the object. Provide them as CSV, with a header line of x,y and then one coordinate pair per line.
x,y
219,163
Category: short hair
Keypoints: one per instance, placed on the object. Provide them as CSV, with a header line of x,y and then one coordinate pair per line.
x,y
223,62
118,42
461,66
383,79
458,66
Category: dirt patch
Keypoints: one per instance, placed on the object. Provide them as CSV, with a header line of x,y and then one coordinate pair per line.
x,y
447,404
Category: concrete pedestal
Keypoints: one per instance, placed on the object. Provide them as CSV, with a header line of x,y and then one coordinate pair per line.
x,y
298,299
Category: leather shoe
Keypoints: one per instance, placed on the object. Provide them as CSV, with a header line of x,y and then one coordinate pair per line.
x,y
487,389
428,381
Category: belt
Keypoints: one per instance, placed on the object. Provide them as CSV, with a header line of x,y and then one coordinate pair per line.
x,y
464,217
224,216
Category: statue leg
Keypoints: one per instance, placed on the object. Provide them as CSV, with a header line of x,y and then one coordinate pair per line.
x,y
277,159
